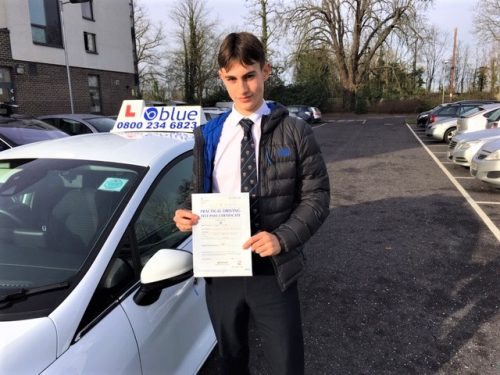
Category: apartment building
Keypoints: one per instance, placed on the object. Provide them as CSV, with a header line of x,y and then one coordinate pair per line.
x,y
58,56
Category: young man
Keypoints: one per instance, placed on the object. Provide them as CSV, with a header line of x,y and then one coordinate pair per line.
x,y
289,203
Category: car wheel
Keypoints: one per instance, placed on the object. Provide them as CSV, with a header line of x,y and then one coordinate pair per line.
x,y
449,134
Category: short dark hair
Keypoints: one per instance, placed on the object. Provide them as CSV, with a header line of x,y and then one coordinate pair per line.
x,y
243,47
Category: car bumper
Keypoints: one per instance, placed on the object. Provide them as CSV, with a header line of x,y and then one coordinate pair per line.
x,y
464,157
486,170
435,132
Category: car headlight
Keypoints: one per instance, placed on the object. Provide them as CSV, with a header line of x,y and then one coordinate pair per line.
x,y
495,155
467,145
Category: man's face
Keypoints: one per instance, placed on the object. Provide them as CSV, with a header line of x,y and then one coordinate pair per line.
x,y
245,85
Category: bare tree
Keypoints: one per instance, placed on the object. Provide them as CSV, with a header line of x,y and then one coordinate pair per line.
x,y
487,20
197,47
265,14
148,39
353,31
432,53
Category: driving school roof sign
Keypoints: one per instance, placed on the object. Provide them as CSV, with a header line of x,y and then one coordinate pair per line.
x,y
135,116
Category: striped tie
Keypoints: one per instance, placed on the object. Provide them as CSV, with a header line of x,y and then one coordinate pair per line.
x,y
249,172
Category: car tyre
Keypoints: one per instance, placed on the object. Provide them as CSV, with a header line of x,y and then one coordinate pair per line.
x,y
449,134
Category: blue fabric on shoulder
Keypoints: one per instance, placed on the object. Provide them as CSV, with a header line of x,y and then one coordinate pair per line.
x,y
211,134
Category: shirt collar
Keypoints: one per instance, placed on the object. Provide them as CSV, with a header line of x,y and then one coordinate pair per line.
x,y
235,116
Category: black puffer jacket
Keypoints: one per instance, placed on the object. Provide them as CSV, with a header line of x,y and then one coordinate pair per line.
x,y
294,187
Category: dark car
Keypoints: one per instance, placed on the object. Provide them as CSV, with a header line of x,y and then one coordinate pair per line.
x,y
20,130
75,124
303,111
423,116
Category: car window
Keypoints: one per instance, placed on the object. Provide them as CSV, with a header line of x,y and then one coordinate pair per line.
x,y
52,215
466,108
154,227
3,146
450,110
151,230
495,115
471,112
73,127
102,124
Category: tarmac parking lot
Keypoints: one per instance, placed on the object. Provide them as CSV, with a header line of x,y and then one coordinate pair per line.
x,y
403,276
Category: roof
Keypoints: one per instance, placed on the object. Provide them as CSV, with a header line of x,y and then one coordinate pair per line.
x,y
71,115
143,149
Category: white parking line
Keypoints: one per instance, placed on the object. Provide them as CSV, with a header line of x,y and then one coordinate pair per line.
x,y
465,177
492,227
440,152
488,202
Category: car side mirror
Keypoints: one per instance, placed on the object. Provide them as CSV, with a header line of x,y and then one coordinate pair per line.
x,y
165,268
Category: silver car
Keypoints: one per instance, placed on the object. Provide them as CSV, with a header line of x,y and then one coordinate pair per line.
x,y
485,165
463,147
442,130
493,120
477,118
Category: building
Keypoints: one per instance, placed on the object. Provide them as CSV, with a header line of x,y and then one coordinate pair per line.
x,y
99,55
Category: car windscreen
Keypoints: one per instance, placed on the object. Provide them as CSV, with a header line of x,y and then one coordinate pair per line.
x,y
471,112
52,215
102,124
494,116
18,132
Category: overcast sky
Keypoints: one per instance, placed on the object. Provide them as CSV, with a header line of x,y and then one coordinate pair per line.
x,y
445,14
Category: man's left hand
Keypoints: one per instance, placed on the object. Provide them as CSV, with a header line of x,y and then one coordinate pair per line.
x,y
263,243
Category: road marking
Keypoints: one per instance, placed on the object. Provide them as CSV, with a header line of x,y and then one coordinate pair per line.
x,y
440,152
465,177
492,227
488,202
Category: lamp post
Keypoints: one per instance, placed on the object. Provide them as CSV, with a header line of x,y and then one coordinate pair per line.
x,y
66,62
445,64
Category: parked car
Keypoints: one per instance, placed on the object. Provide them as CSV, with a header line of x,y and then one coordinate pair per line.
x,y
76,124
20,130
316,114
477,118
442,130
445,127
213,112
455,109
96,278
493,121
422,117
485,165
302,111
463,147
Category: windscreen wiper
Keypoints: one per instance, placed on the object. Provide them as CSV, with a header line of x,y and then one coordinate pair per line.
x,y
22,293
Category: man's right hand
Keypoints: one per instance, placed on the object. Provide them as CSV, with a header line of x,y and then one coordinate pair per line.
x,y
185,219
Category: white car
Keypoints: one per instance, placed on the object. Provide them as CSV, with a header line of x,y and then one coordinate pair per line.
x,y
477,118
463,147
485,165
94,276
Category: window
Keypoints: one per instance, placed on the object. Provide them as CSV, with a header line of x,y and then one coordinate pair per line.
x,y
90,45
88,10
153,229
95,93
45,22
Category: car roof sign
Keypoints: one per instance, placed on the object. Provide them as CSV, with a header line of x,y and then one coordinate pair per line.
x,y
135,116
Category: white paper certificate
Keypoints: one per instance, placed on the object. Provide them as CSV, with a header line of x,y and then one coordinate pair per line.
x,y
218,237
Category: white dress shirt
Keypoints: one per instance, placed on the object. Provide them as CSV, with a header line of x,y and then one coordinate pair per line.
x,y
226,177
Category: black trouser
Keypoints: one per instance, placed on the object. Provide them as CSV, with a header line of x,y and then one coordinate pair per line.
x,y
230,302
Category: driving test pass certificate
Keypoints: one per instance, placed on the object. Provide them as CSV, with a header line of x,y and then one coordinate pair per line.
x,y
223,228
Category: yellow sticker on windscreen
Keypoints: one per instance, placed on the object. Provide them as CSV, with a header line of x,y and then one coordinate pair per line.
x,y
113,184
